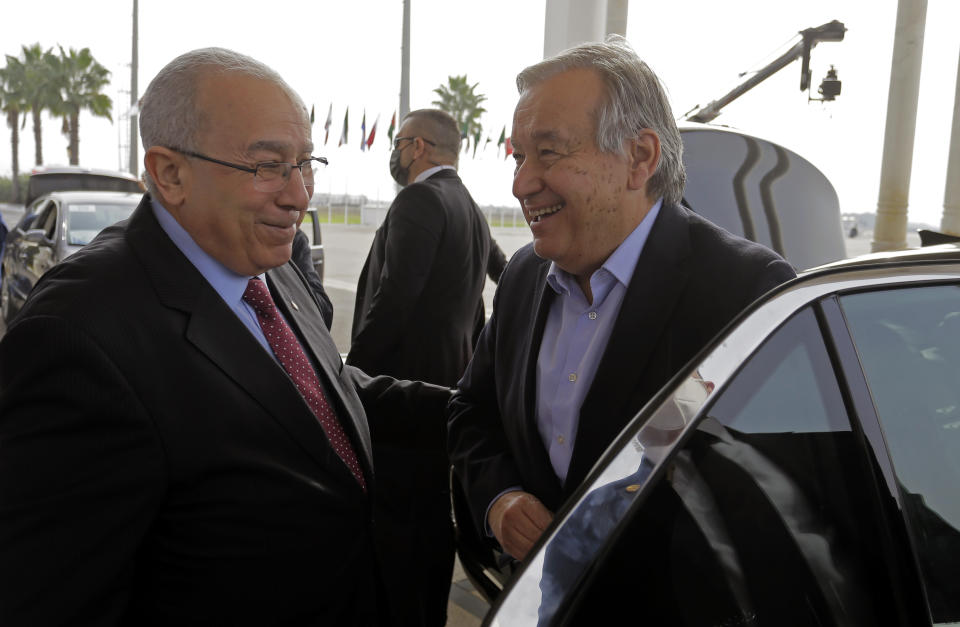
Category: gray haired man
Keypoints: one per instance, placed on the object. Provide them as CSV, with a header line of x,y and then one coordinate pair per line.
x,y
620,287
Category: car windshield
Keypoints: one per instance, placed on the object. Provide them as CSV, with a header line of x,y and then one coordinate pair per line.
x,y
85,220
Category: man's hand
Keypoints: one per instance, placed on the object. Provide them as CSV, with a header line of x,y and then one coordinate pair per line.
x,y
517,519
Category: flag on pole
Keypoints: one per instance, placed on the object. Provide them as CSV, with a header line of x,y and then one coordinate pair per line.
x,y
508,150
393,127
373,132
363,132
343,135
311,115
503,136
326,125
476,142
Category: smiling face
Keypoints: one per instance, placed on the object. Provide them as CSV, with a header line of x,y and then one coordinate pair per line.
x,y
245,121
579,202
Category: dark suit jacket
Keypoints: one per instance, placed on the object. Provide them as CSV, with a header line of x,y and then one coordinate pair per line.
x,y
422,283
158,466
302,258
692,278
418,302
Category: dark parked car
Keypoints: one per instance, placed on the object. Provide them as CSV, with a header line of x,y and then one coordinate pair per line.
x,y
52,228
804,469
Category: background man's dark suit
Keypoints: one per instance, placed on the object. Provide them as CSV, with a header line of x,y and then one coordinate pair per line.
x,y
421,284
183,476
692,278
303,259
418,302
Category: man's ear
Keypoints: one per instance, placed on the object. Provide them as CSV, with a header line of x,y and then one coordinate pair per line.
x,y
419,147
170,174
644,155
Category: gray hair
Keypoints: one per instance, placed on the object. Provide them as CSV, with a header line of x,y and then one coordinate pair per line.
x,y
636,100
168,110
441,127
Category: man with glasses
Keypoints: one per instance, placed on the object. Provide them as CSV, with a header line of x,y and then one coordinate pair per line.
x,y
419,301
181,444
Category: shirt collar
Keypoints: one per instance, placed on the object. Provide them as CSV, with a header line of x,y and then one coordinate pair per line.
x,y
620,264
227,283
431,171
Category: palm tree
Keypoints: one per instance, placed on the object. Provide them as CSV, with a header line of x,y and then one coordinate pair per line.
x,y
12,103
40,89
80,79
459,99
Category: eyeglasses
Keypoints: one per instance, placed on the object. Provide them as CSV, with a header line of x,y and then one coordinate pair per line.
x,y
397,140
270,176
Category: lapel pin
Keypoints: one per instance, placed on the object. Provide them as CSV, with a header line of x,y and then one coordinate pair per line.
x,y
294,305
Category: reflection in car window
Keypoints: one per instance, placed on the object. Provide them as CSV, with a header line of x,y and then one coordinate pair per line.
x,y
85,220
761,517
909,345
47,221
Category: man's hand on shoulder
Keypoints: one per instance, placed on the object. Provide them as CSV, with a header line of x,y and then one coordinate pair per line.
x,y
517,520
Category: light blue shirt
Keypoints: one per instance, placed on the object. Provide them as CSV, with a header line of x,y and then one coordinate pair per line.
x,y
575,338
227,283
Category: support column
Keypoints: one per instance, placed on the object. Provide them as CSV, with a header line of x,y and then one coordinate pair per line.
x,y
572,22
134,163
890,232
950,223
617,17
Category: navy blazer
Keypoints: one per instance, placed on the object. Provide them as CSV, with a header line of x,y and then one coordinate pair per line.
x,y
691,279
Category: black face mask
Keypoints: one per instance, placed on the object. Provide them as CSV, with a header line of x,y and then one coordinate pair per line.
x,y
399,173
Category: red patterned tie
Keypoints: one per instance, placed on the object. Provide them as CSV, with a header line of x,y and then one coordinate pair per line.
x,y
291,356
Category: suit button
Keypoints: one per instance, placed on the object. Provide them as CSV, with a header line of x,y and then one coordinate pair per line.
x,y
572,376
592,315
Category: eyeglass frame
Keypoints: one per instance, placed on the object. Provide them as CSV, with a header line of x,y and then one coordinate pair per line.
x,y
285,177
397,139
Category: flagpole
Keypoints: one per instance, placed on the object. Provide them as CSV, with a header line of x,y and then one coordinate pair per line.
x,y
405,62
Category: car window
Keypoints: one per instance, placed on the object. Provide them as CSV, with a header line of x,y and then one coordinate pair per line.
x,y
761,517
908,341
86,220
46,220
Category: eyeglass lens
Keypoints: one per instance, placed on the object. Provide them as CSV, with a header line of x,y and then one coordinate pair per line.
x,y
272,177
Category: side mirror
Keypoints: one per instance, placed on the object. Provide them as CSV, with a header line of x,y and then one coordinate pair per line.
x,y
35,236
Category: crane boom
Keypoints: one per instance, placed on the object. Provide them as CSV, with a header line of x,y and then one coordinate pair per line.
x,y
831,31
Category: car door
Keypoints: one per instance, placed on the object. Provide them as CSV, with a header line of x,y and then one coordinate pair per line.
x,y
908,344
40,250
28,249
759,490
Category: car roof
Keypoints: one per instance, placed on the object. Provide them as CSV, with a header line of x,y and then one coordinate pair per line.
x,y
75,169
940,253
92,196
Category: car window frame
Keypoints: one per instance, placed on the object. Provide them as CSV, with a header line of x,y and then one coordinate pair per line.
x,y
734,345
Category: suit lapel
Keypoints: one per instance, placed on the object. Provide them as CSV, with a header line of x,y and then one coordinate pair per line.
x,y
657,283
221,337
289,289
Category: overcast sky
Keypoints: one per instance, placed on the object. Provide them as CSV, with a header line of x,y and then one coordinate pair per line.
x,y
348,54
